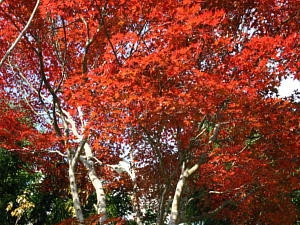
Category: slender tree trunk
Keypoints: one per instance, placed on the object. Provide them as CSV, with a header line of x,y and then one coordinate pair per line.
x,y
162,206
100,194
135,200
185,173
96,182
176,199
87,160
74,192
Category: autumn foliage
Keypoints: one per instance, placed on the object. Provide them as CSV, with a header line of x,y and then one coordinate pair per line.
x,y
184,91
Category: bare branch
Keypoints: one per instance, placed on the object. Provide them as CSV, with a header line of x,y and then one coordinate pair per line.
x,y
245,147
97,160
80,114
55,99
200,134
19,73
108,38
214,136
140,34
71,122
80,149
31,108
86,48
58,152
89,42
21,34
193,169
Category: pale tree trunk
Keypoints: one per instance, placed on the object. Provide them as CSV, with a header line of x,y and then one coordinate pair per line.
x,y
74,191
96,182
185,173
135,200
129,168
162,206
68,123
176,199
87,160
100,206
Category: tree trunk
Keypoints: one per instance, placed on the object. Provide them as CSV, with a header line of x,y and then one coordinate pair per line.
x,y
135,200
185,173
74,192
88,163
100,194
162,206
96,182
176,199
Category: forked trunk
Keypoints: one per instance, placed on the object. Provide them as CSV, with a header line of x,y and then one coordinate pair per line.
x,y
185,173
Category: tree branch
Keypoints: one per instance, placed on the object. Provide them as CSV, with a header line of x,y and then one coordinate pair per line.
x,y
80,149
21,34
88,43
108,38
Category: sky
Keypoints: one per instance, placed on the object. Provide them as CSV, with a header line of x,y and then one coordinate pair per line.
x,y
288,86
